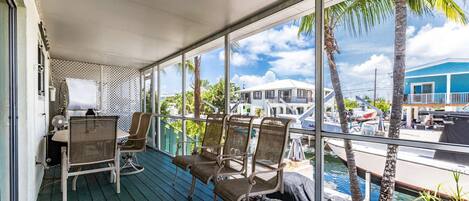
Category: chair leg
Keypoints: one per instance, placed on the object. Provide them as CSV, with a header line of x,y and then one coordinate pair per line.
x,y
74,183
117,171
64,183
175,176
191,191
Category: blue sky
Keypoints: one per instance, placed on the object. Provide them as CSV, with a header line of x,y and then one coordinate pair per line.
x,y
278,53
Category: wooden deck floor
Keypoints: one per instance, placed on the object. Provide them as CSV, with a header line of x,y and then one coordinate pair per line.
x,y
154,183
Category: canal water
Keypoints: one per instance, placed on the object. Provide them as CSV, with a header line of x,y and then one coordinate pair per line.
x,y
336,175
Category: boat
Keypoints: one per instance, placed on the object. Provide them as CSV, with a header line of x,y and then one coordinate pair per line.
x,y
417,169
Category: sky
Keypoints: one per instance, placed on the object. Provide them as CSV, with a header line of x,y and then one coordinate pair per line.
x,y
280,53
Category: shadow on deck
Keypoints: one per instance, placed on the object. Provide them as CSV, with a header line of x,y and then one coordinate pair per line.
x,y
154,183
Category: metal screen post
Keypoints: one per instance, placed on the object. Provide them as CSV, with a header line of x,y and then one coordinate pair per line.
x,y
158,109
184,134
319,94
227,73
152,94
142,91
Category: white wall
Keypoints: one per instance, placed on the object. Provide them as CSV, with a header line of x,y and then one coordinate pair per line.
x,y
30,143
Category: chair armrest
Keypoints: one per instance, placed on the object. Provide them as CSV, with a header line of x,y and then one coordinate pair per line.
x,y
209,147
136,139
253,175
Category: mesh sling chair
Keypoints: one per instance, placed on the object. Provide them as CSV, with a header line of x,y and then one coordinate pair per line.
x,y
135,122
267,167
92,141
211,145
136,143
235,153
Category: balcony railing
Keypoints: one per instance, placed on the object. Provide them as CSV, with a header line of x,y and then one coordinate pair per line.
x,y
437,98
290,99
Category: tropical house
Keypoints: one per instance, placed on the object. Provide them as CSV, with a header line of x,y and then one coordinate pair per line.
x,y
439,85
285,96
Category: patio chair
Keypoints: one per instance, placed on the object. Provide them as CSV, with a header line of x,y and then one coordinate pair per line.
x,y
211,145
267,167
135,144
235,153
135,122
92,141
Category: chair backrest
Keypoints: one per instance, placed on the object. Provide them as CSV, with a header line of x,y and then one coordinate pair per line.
x,y
92,139
143,128
238,134
214,129
135,122
271,144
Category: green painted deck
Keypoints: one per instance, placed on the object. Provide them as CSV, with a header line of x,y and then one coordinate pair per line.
x,y
154,183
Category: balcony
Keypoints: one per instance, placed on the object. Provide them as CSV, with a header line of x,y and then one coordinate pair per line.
x,y
461,98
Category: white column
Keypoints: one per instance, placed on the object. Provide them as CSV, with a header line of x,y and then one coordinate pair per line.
x,y
448,88
409,116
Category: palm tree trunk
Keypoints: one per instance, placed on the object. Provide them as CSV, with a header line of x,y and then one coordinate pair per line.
x,y
388,179
331,48
197,89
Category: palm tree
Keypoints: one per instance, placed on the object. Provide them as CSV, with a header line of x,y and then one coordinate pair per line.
x,y
356,16
453,12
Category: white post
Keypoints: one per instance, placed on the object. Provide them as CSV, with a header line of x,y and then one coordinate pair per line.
x,y
367,186
448,88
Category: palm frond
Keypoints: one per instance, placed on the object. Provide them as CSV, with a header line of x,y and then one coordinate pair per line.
x,y
450,9
360,16
356,16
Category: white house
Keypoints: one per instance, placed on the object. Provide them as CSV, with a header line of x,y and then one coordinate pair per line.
x,y
279,97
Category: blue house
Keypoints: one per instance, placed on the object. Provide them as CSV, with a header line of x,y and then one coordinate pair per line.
x,y
438,85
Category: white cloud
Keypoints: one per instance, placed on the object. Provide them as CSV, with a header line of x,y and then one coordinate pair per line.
x,y
253,80
359,79
410,31
238,59
381,62
297,62
434,43
283,39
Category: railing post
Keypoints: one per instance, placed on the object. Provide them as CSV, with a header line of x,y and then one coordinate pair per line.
x,y
367,186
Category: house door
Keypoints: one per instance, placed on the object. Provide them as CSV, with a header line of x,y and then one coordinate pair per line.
x,y
422,93
41,101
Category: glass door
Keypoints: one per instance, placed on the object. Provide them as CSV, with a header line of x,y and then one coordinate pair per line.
x,y
4,102
8,100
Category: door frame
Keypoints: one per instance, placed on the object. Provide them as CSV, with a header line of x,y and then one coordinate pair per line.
x,y
412,92
13,99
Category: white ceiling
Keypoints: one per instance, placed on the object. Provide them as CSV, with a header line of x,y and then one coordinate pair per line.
x,y
135,32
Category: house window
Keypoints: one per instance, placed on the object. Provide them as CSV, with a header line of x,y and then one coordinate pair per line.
x,y
40,71
270,94
301,93
257,95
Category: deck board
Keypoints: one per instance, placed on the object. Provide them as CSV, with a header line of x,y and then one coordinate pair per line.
x,y
154,183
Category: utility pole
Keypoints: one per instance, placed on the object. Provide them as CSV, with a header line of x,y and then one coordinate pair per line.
x,y
374,90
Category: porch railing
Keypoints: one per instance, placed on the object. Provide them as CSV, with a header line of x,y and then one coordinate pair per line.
x,y
437,98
